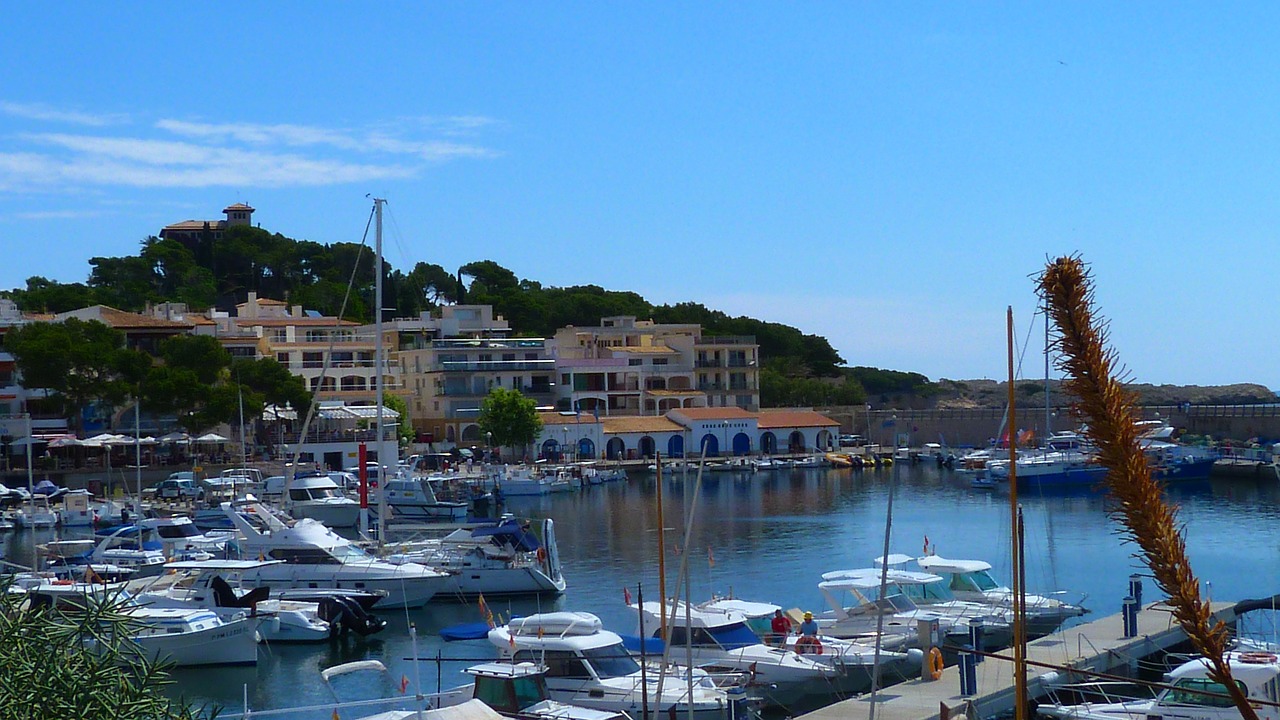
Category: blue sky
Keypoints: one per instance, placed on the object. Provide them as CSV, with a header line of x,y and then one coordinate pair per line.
x,y
888,175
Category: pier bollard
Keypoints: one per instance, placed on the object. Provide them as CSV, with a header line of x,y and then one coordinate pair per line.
x,y
968,672
1129,614
976,628
1135,588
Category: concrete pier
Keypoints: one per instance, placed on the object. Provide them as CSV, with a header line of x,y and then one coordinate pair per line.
x,y
1098,646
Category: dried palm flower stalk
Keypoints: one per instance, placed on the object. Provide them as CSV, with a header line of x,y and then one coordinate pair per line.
x,y
1067,289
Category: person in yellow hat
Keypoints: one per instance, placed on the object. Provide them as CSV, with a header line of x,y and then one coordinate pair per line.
x,y
809,628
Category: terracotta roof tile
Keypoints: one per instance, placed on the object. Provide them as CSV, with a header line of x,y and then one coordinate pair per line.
x,y
640,424
715,413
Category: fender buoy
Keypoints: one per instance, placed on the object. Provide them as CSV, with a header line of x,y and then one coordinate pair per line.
x,y
935,663
808,644
542,555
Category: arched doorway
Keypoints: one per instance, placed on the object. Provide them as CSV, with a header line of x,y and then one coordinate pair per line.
x,y
825,440
710,445
769,444
795,443
471,433
675,446
550,449
741,444
586,449
615,449
647,448
450,434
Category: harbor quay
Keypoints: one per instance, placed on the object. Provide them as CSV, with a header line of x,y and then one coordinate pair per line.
x,y
1099,646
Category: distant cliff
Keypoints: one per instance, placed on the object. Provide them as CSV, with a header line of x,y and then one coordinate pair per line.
x,y
1030,393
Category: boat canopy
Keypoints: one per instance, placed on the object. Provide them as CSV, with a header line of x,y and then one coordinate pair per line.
x,y
509,533
556,624
893,559
867,578
937,563
750,609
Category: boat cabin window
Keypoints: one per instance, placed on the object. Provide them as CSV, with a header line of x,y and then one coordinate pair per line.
x,y
611,661
560,663
169,532
699,637
496,693
983,580
304,556
934,592
1191,691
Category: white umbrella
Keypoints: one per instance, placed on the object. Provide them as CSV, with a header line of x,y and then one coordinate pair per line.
x,y
210,438
175,437
24,441
66,442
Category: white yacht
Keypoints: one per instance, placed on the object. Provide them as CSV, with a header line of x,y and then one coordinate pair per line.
x,y
211,585
971,580
519,690
854,661
588,666
185,637
77,509
504,558
316,496
719,639
859,617
414,498
317,557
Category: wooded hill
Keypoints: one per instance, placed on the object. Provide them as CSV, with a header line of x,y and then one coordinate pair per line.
x,y
797,368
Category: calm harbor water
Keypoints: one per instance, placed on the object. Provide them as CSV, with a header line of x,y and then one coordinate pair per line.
x,y
769,537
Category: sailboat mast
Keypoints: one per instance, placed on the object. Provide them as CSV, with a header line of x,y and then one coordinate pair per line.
x,y
1047,430
1019,662
379,376
662,558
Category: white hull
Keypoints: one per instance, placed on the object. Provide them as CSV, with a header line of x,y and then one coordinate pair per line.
x,y
230,643
334,515
513,581
440,511
403,588
515,488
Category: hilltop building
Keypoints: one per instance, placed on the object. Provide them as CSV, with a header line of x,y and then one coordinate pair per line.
x,y
193,232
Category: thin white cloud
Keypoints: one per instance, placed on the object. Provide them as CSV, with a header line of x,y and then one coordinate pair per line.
x,y
304,135
58,214
37,111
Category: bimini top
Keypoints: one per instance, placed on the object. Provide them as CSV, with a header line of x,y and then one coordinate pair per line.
x,y
868,578
512,534
750,609
937,563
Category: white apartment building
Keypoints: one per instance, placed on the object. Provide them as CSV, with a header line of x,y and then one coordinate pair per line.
x,y
638,367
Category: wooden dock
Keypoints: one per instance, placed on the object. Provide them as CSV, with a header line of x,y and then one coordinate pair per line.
x,y
1097,646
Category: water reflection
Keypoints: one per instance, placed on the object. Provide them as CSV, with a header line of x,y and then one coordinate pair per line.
x,y
769,537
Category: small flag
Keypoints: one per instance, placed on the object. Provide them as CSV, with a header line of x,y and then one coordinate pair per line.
x,y
336,716
926,545
404,683
511,639
485,612
711,558
626,596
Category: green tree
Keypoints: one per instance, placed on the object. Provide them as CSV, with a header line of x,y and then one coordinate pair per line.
x,y
81,362
44,295
404,431
192,383
510,417
272,383
51,673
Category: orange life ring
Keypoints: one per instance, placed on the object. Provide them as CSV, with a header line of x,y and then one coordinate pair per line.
x,y
1256,658
935,663
63,582
808,644
542,555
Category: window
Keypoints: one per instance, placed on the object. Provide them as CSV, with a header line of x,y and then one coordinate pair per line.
x,y
635,361
283,359
508,357
660,361
1190,691
317,335
312,359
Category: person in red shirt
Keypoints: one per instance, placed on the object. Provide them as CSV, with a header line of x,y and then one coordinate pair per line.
x,y
781,627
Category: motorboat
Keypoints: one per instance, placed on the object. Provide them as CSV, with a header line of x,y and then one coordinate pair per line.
x,y
1189,693
589,666
212,585
1171,460
519,690
77,509
859,617
184,637
854,661
414,498
719,639
317,557
180,539
503,558
733,464
765,463
316,496
35,514
971,580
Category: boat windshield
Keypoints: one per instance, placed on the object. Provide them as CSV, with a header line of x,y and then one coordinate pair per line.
x,y
351,554
1192,691
181,530
611,661
926,593
732,637
983,580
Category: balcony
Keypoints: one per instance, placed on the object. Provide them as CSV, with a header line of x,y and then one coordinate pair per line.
x,y
742,386
493,365
711,363
726,340
711,387
741,363
514,344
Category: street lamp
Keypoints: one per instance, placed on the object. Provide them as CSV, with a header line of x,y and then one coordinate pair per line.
x,y
564,430
726,437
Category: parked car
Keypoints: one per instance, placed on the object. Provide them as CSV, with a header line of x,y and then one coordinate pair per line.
x,y
180,485
851,441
